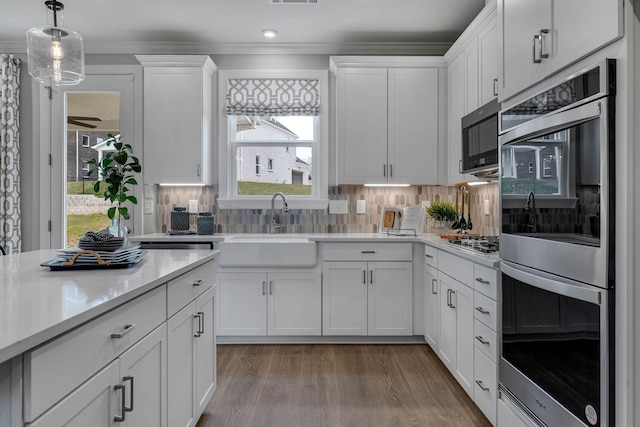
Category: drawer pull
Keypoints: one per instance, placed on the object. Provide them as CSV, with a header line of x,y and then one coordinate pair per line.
x,y
482,387
368,252
198,282
481,280
482,310
200,330
429,256
479,338
130,407
127,329
120,418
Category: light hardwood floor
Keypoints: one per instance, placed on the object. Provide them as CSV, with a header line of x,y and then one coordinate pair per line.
x,y
336,385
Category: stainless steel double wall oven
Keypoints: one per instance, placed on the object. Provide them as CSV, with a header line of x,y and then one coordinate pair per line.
x,y
557,250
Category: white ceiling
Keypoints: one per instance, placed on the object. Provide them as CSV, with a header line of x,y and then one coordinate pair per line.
x,y
235,26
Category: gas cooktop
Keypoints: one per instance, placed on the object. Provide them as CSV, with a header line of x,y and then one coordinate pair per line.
x,y
484,244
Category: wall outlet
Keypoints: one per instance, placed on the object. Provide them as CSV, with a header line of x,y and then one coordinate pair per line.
x,y
361,207
148,206
193,206
338,207
486,207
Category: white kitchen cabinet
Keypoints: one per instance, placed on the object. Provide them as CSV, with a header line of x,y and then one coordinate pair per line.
x,y
272,303
472,69
557,35
388,108
456,330
177,118
106,398
431,306
367,298
191,360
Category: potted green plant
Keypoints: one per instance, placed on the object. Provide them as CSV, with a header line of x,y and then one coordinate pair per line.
x,y
116,169
445,212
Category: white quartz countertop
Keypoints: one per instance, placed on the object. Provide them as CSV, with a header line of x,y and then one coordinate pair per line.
x,y
37,304
489,260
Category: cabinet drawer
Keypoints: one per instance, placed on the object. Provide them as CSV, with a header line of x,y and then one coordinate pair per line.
x,y
486,340
456,267
485,392
367,252
431,256
486,281
184,289
56,368
486,310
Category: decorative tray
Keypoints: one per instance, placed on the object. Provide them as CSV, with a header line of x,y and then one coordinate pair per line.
x,y
80,262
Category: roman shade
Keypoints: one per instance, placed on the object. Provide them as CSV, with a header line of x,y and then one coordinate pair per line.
x,y
273,97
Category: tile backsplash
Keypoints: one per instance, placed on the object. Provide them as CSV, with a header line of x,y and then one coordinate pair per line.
x,y
320,221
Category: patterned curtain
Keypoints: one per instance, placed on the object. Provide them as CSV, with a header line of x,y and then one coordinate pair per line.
x,y
9,154
273,97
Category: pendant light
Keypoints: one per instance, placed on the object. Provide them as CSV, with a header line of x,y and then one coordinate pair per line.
x,y
55,55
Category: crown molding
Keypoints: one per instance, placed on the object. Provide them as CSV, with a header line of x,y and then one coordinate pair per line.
x,y
195,48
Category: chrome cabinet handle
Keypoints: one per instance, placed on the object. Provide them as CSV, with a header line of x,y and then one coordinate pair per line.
x,y
384,170
270,287
130,407
452,294
198,282
390,170
482,310
449,298
127,329
433,282
429,256
479,338
535,60
364,276
482,387
481,280
495,87
367,252
264,287
120,418
371,277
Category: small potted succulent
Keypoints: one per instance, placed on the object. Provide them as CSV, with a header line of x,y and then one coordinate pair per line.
x,y
116,169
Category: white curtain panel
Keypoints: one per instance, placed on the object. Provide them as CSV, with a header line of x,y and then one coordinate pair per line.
x,y
9,154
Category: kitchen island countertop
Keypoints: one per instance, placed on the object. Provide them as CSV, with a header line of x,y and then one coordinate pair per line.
x,y
37,304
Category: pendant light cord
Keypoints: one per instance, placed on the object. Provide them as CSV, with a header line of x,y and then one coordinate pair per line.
x,y
54,6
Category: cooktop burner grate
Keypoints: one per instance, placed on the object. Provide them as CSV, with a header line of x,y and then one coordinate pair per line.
x,y
484,244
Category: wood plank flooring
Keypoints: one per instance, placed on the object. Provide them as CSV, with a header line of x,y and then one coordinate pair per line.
x,y
336,385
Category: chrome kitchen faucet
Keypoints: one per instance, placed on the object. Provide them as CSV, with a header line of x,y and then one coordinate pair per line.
x,y
276,226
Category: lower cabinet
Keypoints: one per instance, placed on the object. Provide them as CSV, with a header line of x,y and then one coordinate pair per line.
x,y
455,340
273,303
191,360
431,306
130,391
367,298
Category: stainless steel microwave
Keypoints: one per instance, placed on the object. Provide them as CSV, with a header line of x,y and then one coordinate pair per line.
x,y
480,139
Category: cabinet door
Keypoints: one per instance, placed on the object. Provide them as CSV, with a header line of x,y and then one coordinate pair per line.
x,y
181,329
295,304
521,21
431,306
390,298
94,403
456,109
242,304
143,370
599,23
174,122
205,351
413,125
344,298
462,300
490,61
447,323
471,77
362,125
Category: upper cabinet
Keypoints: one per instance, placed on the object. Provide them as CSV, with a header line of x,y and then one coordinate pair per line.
x,y
388,126
472,81
177,118
540,38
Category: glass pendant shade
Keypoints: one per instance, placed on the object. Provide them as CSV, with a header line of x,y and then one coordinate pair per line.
x,y
55,55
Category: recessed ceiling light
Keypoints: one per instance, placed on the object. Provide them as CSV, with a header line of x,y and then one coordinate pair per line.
x,y
269,33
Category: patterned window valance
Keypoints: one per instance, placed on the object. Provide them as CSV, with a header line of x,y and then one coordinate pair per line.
x,y
273,97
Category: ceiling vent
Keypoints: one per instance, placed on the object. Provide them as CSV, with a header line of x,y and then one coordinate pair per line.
x,y
294,1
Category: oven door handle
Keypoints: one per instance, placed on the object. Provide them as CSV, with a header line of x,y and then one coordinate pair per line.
x,y
555,284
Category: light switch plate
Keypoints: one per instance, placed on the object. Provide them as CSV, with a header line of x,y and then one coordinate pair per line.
x,y
361,207
193,206
338,207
